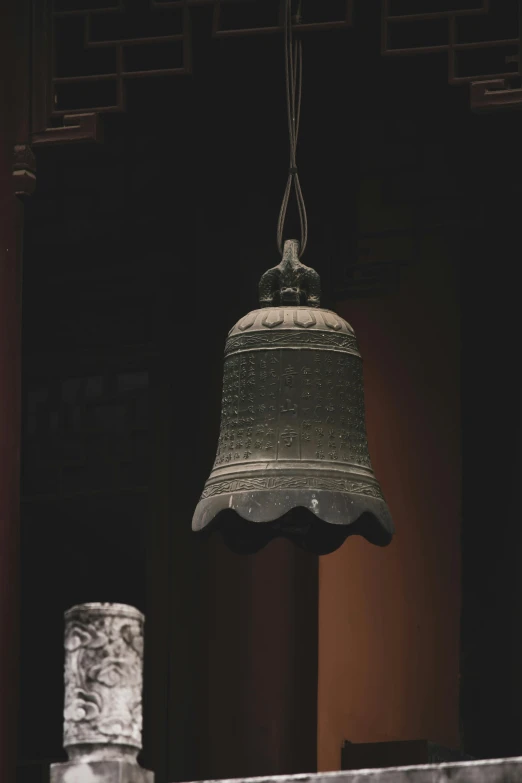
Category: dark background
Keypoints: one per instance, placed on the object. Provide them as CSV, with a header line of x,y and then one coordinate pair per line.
x,y
141,253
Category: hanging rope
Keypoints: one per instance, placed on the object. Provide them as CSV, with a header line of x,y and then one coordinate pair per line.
x,y
294,82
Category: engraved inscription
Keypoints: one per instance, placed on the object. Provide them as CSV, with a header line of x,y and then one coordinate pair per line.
x,y
303,405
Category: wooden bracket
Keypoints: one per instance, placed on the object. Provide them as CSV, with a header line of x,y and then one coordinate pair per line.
x,y
24,170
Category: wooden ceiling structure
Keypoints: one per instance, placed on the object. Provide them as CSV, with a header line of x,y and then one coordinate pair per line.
x,y
86,52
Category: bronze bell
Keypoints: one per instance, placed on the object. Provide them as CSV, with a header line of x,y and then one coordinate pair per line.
x,y
292,457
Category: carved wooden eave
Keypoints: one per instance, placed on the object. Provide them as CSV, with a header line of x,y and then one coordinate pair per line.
x,y
452,33
109,31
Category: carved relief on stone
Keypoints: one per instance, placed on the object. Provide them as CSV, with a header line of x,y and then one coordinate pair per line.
x,y
103,680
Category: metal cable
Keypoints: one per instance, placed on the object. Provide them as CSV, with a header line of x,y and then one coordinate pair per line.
x,y
294,84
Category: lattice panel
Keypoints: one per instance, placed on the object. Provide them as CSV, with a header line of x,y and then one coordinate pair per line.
x,y
97,50
482,40
86,51
85,435
244,17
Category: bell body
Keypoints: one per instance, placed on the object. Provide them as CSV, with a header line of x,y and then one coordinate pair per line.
x,y
292,455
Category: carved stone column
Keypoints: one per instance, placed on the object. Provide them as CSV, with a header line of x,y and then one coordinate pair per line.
x,y
103,692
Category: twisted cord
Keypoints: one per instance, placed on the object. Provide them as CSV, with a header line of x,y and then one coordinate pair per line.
x,y
294,83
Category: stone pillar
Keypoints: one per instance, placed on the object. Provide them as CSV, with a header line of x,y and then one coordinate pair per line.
x,y
103,693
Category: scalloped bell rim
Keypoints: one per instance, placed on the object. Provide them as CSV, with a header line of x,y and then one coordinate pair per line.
x,y
318,520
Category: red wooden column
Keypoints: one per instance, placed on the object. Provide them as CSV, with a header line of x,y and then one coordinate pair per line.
x,y
10,278
13,111
262,662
